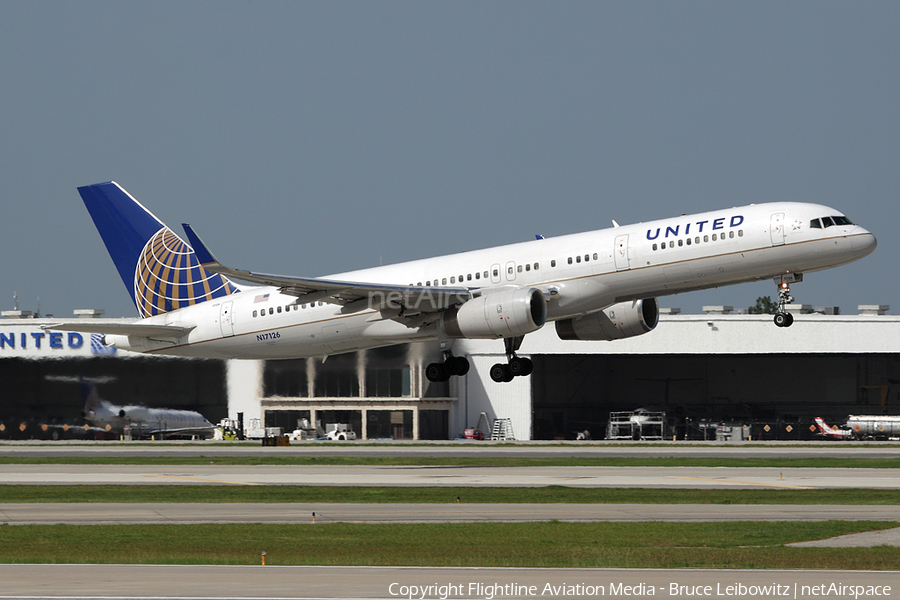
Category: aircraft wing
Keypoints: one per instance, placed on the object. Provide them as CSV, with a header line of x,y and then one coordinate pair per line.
x,y
119,328
353,295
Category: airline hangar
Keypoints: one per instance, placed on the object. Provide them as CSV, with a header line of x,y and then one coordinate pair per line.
x,y
717,367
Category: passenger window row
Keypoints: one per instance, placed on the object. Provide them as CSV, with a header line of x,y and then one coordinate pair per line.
x,y
477,276
697,240
287,308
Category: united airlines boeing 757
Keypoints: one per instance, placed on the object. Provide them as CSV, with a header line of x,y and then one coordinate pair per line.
x,y
599,285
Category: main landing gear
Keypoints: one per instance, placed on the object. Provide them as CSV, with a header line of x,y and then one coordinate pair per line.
x,y
782,317
452,365
517,366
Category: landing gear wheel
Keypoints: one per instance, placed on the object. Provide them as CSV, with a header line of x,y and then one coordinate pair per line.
x,y
437,372
516,366
783,319
500,373
529,367
462,365
520,366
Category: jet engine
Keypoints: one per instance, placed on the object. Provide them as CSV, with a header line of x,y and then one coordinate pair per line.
x,y
622,320
498,315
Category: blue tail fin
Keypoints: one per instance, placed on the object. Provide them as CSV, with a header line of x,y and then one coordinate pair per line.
x,y
161,272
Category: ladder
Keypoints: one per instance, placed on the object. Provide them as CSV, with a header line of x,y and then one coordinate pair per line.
x,y
502,430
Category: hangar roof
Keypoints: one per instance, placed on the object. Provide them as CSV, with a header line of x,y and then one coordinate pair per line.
x,y
726,334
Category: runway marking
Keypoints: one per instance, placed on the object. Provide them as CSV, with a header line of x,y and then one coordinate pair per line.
x,y
778,485
200,479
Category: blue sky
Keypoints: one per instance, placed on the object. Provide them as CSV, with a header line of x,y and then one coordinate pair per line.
x,y
309,138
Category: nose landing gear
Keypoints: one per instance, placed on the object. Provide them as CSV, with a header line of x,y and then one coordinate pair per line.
x,y
782,317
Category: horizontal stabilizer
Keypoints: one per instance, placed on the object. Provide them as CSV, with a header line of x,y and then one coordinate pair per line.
x,y
118,328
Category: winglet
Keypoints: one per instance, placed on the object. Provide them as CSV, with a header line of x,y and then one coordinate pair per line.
x,y
200,250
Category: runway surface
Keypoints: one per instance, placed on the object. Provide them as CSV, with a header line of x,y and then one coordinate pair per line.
x,y
427,476
75,582
482,449
319,513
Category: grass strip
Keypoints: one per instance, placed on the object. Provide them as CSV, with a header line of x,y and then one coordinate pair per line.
x,y
730,545
468,495
464,461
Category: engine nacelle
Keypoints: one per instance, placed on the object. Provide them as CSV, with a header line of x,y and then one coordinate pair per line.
x,y
619,321
499,315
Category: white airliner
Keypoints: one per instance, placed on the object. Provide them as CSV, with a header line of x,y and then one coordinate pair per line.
x,y
143,421
599,285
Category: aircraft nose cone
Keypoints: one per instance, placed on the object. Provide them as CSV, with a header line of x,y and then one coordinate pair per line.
x,y
863,243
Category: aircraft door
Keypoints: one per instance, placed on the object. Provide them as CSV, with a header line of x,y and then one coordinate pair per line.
x,y
777,229
226,322
621,253
510,271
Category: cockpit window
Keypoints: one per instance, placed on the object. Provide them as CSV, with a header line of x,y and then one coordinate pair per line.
x,y
827,222
815,224
841,221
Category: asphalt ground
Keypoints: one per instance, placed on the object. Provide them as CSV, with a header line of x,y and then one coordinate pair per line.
x,y
222,582
164,582
484,449
450,476
299,513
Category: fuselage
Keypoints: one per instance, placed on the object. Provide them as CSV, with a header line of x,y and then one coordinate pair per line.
x,y
579,274
147,421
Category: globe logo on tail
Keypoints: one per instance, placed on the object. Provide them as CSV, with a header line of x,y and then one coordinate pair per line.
x,y
169,276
